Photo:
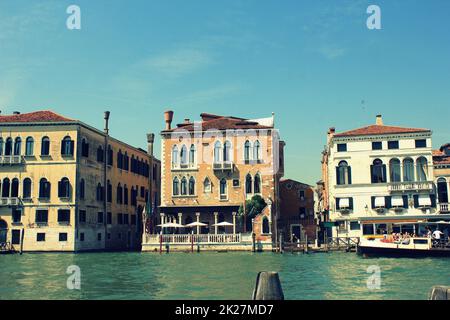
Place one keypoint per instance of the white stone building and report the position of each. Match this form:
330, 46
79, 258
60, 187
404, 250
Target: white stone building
380, 179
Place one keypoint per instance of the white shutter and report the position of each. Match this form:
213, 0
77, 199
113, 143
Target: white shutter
424, 200
397, 201
344, 203
379, 202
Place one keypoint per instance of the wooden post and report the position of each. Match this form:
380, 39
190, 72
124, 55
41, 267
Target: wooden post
160, 242
268, 287
281, 242
21, 240
192, 241
439, 293
253, 242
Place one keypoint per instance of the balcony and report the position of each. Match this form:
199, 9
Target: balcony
223, 166
184, 166
410, 186
10, 202
444, 208
11, 160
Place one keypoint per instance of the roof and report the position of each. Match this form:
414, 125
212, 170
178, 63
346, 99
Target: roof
287, 180
216, 122
37, 116
440, 158
379, 130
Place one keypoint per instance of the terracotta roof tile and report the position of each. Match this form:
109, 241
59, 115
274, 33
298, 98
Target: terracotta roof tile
439, 157
377, 130
37, 116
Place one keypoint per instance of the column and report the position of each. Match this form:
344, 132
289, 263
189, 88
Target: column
216, 214
163, 218
197, 214
234, 222
180, 215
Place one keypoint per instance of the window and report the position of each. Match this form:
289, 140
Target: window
421, 143
81, 236
236, 183
40, 237
217, 152
16, 215
408, 170
119, 218
82, 189
248, 184
119, 159
15, 188
133, 196
84, 148
207, 185
223, 189
302, 212
125, 218
176, 187
142, 192
125, 194
343, 173
64, 188
378, 171
15, 236
8, 147
442, 190
119, 194
265, 225
192, 155
422, 169
393, 145
110, 155
99, 236
99, 192
342, 147
82, 216
247, 147
257, 151
394, 170
63, 216
257, 184
133, 219
183, 186
108, 218
29, 146
301, 194
174, 155
63, 236
227, 151
126, 162
45, 146
5, 188
17, 146
109, 191
44, 189
99, 217
191, 186
368, 229
67, 146
1, 146
183, 155
100, 154
41, 216
355, 225
377, 145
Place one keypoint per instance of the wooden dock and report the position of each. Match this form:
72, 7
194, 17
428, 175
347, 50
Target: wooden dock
6, 248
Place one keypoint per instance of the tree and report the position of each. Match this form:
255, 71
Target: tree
253, 207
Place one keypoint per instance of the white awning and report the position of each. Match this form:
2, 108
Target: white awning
397, 201
424, 200
344, 203
379, 202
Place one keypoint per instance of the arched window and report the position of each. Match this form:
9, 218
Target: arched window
44, 189
192, 155
175, 155
67, 146
378, 171
223, 189
110, 155
227, 151
120, 159
422, 169
133, 196
1, 146
247, 146
257, 183
5, 188
265, 225
125, 194
183, 186
109, 191
15, 188
248, 184
29, 146
64, 188
257, 150
442, 190
119, 194
100, 154
17, 146
126, 162
183, 155
82, 189
394, 170
408, 170
84, 148
207, 185
191, 186
176, 187
8, 147
99, 192
45, 146
26, 192
343, 173
217, 152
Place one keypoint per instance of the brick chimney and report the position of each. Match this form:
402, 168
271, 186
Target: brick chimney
150, 141
330, 134
379, 120
168, 117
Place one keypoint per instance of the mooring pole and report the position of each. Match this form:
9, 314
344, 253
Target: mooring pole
192, 241
160, 243
268, 286
439, 293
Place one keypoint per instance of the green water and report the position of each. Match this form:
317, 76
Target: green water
215, 276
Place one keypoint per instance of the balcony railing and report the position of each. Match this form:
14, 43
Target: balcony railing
11, 160
195, 238
183, 166
14, 201
411, 186
223, 166
444, 208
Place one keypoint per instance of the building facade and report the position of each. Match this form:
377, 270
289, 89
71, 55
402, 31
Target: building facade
379, 179
212, 166
66, 186
441, 165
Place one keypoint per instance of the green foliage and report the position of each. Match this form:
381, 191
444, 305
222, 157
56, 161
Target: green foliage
253, 207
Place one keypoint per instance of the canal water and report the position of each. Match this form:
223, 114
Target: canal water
217, 276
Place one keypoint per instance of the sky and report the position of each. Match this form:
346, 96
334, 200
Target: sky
312, 62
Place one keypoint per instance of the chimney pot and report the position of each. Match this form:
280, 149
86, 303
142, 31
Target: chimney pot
332, 130
16, 112
150, 141
168, 117
379, 121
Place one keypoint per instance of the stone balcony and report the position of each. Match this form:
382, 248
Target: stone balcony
11, 160
410, 186
444, 208
10, 201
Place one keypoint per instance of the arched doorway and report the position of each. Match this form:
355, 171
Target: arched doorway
3, 231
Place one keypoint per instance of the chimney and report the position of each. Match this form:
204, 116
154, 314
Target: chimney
168, 116
187, 121
16, 112
330, 134
379, 120
150, 140
107, 113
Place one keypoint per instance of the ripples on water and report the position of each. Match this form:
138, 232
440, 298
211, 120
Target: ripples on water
215, 276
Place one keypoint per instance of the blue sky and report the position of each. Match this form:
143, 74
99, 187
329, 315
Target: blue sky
314, 63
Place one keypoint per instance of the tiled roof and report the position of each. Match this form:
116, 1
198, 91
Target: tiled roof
215, 122
439, 157
37, 116
377, 130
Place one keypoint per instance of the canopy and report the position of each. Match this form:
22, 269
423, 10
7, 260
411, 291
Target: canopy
379, 202
170, 225
424, 200
397, 201
223, 224
196, 224
344, 203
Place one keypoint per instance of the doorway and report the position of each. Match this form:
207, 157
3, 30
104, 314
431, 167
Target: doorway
3, 231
